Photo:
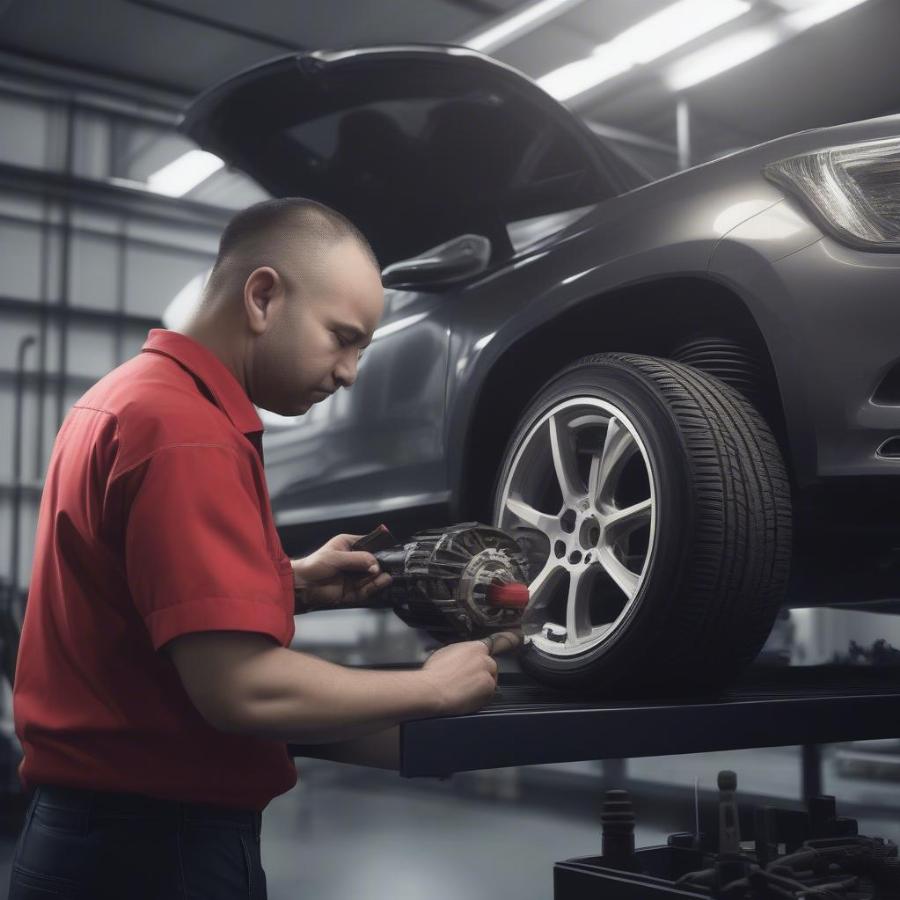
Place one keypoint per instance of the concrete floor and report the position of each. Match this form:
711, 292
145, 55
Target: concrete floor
349, 832
346, 832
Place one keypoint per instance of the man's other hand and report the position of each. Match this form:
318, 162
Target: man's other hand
463, 676
336, 577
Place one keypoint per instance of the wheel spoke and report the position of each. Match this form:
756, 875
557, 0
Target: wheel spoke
622, 522
578, 612
605, 434
563, 449
541, 585
541, 521
617, 450
624, 578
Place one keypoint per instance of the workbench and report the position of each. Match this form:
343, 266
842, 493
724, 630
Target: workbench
529, 724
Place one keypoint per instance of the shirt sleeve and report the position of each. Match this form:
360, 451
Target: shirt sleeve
196, 554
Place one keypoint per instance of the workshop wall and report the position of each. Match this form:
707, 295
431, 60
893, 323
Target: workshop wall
90, 259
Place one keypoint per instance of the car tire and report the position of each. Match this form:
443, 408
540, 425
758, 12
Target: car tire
699, 567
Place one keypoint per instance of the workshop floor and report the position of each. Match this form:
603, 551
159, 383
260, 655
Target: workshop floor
346, 832
350, 832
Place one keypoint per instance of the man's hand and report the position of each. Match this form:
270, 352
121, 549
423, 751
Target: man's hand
336, 577
463, 676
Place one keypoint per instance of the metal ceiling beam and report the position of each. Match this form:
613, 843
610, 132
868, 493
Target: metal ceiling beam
104, 195
54, 90
210, 22
57, 70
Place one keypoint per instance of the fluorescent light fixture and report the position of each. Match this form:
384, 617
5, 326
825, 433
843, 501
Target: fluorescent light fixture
518, 24
791, 5
815, 13
732, 51
675, 26
649, 39
723, 55
185, 173
576, 77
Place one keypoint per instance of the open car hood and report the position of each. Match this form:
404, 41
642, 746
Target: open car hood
414, 144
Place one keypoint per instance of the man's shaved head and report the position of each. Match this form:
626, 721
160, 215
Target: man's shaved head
292, 302
287, 233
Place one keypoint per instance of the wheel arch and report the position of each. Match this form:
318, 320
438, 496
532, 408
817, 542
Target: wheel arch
682, 309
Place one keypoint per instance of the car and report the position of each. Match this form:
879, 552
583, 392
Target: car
680, 396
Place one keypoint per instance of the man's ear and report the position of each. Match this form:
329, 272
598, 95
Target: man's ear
262, 286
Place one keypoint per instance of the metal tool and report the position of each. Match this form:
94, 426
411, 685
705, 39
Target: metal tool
462, 582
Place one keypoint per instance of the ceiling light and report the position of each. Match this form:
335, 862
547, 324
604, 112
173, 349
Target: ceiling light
723, 55
674, 26
732, 51
814, 13
511, 27
185, 173
576, 77
791, 5
649, 39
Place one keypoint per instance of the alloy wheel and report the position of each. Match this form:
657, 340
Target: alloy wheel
580, 496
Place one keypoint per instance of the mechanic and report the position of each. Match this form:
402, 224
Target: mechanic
155, 687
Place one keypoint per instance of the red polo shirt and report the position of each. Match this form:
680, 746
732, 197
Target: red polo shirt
154, 522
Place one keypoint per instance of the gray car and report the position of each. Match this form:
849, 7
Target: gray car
682, 398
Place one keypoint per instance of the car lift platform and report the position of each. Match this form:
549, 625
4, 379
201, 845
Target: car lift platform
529, 724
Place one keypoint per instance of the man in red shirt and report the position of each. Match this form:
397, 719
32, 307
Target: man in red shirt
155, 690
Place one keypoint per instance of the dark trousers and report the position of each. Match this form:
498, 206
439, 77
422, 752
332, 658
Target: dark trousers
92, 845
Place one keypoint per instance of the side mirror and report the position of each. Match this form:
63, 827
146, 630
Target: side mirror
447, 263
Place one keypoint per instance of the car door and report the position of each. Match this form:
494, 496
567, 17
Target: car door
416, 145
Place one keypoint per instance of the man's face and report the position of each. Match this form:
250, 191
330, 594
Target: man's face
323, 323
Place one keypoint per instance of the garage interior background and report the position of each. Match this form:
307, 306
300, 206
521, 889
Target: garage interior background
100, 241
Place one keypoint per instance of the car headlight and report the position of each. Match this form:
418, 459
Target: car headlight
853, 190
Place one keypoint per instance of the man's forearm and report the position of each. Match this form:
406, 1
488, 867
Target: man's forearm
297, 698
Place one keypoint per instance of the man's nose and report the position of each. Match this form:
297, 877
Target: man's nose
345, 374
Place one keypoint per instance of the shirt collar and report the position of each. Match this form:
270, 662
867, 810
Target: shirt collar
229, 396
